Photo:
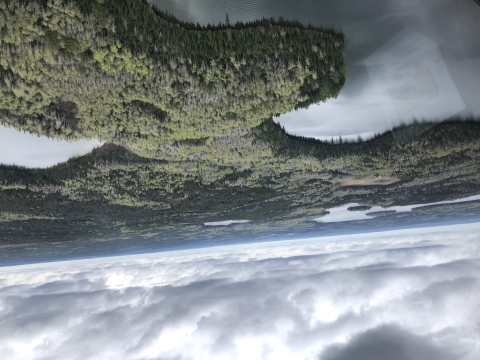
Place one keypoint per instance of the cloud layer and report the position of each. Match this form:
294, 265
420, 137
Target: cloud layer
406, 294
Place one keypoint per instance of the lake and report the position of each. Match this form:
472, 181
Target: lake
346, 212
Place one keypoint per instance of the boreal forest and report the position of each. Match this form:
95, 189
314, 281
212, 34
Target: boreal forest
186, 112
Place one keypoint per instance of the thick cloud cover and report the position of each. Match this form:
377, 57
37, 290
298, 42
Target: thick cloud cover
387, 342
401, 295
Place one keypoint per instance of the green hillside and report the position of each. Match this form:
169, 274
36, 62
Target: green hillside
126, 73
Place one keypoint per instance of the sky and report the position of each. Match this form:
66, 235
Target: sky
402, 295
29, 150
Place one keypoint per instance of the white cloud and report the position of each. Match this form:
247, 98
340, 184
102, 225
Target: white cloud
29, 150
409, 80
290, 299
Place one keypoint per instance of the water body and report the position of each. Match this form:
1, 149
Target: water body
406, 60
226, 222
25, 149
342, 213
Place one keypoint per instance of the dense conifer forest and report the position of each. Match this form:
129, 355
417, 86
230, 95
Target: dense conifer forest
186, 113
263, 174
126, 73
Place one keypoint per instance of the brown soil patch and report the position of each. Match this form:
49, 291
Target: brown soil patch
370, 181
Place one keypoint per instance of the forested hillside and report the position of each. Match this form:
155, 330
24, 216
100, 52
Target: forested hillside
275, 175
186, 114
125, 73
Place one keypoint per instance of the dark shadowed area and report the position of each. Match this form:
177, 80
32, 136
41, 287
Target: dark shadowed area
388, 342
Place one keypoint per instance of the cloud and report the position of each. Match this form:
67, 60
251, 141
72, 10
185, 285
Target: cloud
387, 342
29, 150
416, 290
